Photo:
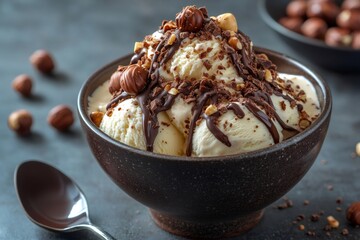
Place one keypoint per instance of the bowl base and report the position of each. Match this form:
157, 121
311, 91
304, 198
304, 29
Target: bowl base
209, 229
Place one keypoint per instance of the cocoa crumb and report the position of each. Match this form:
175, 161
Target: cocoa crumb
315, 218
345, 232
207, 64
165, 123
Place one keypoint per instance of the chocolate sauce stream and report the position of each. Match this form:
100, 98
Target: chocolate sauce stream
210, 123
122, 96
150, 121
137, 57
265, 119
197, 109
236, 109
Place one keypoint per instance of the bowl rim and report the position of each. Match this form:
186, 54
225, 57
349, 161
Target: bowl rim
324, 115
272, 23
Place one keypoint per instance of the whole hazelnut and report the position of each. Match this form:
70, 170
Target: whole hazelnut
351, 4
336, 36
314, 28
20, 121
293, 24
349, 19
356, 40
61, 117
42, 61
353, 213
190, 19
326, 10
296, 8
23, 85
114, 84
134, 79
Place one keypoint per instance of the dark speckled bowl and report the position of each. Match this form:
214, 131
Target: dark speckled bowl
211, 197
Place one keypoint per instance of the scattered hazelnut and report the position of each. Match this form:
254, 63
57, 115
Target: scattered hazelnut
351, 4
42, 61
293, 24
23, 85
357, 149
353, 213
356, 40
61, 117
96, 118
349, 19
190, 19
336, 36
301, 227
314, 28
332, 222
227, 21
20, 121
133, 79
296, 8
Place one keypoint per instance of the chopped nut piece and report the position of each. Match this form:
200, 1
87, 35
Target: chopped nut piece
240, 86
357, 149
138, 46
332, 222
171, 39
211, 109
227, 21
96, 118
167, 87
263, 56
268, 76
173, 91
304, 123
235, 43
147, 64
169, 25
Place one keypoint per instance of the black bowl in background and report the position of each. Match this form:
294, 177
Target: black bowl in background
208, 197
340, 59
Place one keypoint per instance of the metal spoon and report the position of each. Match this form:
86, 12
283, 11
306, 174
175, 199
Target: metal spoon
52, 200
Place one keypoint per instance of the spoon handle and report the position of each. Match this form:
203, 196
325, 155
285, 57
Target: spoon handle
98, 231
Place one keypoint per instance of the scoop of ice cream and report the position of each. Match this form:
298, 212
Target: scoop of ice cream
207, 92
124, 123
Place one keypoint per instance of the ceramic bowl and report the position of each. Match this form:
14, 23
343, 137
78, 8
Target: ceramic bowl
208, 197
340, 59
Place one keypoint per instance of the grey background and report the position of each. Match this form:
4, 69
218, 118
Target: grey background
84, 35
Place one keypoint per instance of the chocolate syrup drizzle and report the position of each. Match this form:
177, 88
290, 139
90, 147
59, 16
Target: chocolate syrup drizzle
256, 93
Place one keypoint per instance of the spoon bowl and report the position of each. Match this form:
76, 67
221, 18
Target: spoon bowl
52, 200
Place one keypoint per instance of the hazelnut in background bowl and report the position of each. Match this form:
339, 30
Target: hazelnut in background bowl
208, 197
320, 36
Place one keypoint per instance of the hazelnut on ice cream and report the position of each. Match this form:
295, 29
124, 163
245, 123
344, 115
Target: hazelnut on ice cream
196, 87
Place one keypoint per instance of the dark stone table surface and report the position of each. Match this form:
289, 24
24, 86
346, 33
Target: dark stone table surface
83, 35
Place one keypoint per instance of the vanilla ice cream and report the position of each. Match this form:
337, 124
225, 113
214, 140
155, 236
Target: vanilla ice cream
197, 88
